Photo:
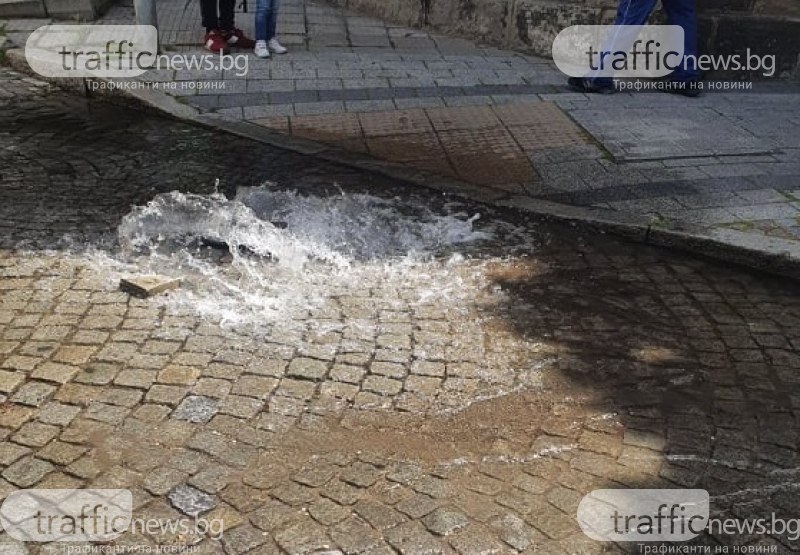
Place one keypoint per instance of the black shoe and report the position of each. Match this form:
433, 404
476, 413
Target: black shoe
691, 88
586, 85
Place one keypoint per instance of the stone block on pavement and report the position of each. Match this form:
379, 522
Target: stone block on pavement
148, 286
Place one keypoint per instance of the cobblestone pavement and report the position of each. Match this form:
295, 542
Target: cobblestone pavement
728, 161
575, 362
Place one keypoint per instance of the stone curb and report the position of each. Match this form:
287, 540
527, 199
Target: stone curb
769, 254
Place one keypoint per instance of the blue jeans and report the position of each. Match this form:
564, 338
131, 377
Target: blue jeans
266, 19
679, 12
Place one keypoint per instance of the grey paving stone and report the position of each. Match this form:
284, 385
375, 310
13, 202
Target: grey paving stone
361, 474
369, 105
58, 413
355, 536
341, 493
338, 73
373, 83
314, 108
27, 471
428, 102
469, 101
162, 480
191, 501
515, 531
380, 516
243, 539
10, 452
731, 170
35, 434
307, 369
338, 95
443, 521
305, 536
771, 211
231, 113
412, 537
705, 200
327, 513
417, 506
294, 494
636, 133
293, 97
277, 110
476, 539
318, 84
196, 408
269, 85
762, 196
33, 394
649, 205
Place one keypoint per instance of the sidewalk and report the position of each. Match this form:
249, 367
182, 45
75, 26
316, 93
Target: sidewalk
725, 166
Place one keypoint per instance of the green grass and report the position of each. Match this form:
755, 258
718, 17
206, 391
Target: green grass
656, 220
742, 225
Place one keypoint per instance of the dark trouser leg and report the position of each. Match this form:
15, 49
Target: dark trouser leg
208, 12
682, 12
226, 8
629, 12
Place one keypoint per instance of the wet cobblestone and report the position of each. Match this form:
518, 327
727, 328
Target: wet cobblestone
583, 362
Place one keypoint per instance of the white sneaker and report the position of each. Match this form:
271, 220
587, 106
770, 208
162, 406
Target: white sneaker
277, 47
261, 49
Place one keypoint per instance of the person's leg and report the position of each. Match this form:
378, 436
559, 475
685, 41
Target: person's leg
629, 12
262, 19
234, 37
214, 40
208, 13
272, 24
226, 9
272, 28
634, 12
682, 13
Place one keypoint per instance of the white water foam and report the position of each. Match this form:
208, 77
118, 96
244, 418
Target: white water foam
324, 247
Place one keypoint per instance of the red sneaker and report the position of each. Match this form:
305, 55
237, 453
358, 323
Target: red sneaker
215, 42
237, 38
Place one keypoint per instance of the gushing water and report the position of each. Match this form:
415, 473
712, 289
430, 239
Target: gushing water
268, 257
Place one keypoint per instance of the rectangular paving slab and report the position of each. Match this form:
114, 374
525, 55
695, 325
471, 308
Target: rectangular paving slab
659, 133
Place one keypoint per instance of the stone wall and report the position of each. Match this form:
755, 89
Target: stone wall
726, 26
72, 10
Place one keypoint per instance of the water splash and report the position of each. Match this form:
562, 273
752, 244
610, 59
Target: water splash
359, 226
176, 221
268, 257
